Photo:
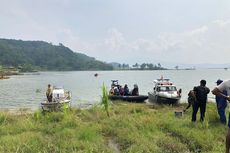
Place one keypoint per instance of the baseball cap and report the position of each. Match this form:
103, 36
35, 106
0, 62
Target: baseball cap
219, 81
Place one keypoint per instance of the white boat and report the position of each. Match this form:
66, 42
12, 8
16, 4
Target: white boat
61, 99
164, 92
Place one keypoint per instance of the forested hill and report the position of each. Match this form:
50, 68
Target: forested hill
46, 56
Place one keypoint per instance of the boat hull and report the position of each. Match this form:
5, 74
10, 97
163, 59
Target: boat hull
55, 106
138, 99
153, 98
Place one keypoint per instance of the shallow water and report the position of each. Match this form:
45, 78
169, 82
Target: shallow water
29, 90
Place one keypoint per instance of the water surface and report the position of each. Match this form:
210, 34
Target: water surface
27, 91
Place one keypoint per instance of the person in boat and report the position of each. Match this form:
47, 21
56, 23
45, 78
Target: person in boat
116, 91
135, 91
121, 90
201, 93
126, 90
111, 92
218, 91
221, 104
191, 99
96, 74
49, 94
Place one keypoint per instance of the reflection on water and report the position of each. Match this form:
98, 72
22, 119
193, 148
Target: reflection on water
29, 90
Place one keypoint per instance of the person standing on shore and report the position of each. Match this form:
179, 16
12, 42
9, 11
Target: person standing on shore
218, 91
201, 93
49, 93
221, 104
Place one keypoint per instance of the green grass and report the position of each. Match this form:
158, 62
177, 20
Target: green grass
131, 127
105, 99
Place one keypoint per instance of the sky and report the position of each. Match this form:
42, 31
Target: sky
125, 31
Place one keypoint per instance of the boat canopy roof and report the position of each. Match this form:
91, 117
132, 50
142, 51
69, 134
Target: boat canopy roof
163, 82
58, 87
58, 93
166, 88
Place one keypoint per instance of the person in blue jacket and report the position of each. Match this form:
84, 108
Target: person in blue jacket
221, 103
218, 91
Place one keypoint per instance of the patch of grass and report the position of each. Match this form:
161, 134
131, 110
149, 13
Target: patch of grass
133, 127
2, 119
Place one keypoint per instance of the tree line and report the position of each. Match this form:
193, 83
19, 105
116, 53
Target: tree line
143, 66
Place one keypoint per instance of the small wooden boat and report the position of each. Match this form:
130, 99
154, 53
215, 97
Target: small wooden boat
61, 100
55, 106
138, 99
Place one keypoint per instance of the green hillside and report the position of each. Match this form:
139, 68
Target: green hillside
46, 56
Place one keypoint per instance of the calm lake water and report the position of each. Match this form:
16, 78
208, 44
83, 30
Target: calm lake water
27, 91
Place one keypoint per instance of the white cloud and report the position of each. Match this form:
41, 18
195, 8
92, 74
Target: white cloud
204, 44
197, 31
222, 23
69, 39
116, 41
207, 43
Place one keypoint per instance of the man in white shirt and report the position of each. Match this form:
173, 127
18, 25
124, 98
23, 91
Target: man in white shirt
218, 91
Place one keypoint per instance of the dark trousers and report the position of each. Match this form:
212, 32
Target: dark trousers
49, 98
196, 106
221, 111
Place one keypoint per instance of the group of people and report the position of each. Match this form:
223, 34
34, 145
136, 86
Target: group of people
120, 91
197, 98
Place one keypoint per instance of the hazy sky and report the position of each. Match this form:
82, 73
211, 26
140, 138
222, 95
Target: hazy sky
177, 31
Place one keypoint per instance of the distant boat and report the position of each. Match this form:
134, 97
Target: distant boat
96, 74
190, 68
225, 68
61, 99
164, 92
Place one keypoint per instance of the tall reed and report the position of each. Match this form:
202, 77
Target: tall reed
105, 99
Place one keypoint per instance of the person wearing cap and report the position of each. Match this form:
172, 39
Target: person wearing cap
201, 93
218, 91
221, 104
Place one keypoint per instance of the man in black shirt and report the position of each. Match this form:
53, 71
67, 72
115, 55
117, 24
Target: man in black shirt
201, 93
